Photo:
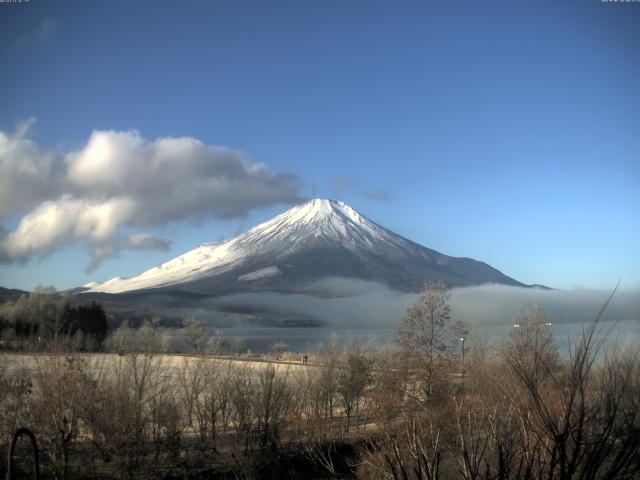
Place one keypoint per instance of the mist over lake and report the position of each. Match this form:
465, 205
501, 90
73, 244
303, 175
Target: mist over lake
372, 312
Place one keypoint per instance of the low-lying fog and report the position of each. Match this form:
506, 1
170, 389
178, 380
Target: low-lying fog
341, 307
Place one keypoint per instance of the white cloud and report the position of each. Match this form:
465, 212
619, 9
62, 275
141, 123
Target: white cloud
56, 223
172, 178
28, 174
119, 179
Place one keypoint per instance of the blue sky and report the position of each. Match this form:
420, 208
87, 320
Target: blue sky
508, 132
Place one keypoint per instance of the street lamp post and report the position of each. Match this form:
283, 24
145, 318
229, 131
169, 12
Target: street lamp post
462, 340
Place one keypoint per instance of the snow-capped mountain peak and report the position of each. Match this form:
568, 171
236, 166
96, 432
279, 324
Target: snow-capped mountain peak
317, 218
316, 238
312, 219
319, 209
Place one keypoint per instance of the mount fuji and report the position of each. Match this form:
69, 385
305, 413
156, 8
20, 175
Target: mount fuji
319, 238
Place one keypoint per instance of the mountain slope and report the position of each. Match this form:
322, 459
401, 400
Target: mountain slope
9, 293
317, 239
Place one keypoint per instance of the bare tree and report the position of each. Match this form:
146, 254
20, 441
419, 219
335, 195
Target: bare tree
124, 419
196, 334
62, 384
536, 416
216, 345
240, 346
425, 333
388, 384
530, 345
121, 340
352, 379
585, 418
205, 392
220, 376
38, 317
148, 338
191, 383
216, 396
324, 381
279, 348
244, 407
272, 402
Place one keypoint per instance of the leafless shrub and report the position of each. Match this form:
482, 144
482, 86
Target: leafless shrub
320, 440
412, 451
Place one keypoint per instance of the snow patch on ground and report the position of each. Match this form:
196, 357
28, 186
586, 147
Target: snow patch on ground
262, 273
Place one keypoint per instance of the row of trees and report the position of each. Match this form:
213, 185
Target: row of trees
45, 319
192, 338
137, 414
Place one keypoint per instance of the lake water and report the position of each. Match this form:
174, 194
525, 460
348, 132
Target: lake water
306, 339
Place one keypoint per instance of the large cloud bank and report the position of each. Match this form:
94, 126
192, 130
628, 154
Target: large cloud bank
352, 303
120, 180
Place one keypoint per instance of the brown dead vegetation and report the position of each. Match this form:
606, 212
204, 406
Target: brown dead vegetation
517, 410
